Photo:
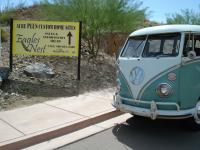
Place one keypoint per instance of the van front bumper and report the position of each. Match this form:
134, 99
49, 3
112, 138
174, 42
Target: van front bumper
153, 112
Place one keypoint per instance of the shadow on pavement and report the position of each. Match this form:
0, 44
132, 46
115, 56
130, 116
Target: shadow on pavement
145, 134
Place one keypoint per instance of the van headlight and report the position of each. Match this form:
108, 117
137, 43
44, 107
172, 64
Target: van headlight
164, 90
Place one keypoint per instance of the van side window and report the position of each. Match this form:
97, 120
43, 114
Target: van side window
162, 45
192, 42
134, 47
197, 44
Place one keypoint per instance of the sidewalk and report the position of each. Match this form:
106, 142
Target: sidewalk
26, 126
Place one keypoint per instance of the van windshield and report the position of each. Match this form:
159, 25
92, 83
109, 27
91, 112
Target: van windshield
134, 47
162, 45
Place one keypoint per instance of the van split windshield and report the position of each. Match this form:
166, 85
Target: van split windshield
134, 46
161, 45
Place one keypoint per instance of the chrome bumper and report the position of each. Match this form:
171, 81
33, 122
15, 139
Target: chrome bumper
153, 112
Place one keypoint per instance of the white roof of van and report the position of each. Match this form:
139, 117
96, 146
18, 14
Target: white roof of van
166, 29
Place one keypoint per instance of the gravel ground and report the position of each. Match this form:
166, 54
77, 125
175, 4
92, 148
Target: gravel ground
20, 90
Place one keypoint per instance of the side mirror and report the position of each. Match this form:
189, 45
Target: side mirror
191, 54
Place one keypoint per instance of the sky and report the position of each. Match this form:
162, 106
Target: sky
158, 8
15, 2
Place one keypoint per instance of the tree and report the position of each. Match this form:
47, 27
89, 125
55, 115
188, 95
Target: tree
98, 17
9, 11
184, 17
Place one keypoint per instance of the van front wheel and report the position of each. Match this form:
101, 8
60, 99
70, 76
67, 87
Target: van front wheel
195, 121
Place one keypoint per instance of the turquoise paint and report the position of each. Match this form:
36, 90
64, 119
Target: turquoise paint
190, 84
124, 86
186, 88
150, 92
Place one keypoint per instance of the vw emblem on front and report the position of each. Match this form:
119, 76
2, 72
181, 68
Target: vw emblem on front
136, 75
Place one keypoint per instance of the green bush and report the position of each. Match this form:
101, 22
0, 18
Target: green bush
98, 16
185, 16
5, 17
4, 35
9, 11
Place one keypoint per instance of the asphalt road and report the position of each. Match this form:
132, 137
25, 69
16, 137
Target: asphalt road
142, 134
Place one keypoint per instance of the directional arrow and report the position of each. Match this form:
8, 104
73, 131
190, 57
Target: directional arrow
69, 36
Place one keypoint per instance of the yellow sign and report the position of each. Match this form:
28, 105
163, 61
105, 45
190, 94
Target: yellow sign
45, 38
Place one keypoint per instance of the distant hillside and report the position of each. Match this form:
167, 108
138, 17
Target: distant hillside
21, 13
105, 25
27, 13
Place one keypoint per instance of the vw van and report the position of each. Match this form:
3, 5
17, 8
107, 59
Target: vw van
158, 73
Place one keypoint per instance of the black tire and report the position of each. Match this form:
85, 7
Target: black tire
136, 117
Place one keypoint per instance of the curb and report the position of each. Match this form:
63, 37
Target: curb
59, 132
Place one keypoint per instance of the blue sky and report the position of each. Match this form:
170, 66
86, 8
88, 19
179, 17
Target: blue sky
158, 8
15, 2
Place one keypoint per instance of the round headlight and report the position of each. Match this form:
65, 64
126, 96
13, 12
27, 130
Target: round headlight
164, 90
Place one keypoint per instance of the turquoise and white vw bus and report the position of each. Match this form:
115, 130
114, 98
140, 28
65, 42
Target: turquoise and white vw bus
159, 73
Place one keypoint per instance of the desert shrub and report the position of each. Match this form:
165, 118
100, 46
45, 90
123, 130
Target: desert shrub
9, 11
5, 17
4, 35
185, 16
98, 17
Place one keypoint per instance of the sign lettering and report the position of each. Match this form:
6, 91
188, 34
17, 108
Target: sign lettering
46, 38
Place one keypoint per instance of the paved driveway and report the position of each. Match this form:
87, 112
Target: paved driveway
142, 134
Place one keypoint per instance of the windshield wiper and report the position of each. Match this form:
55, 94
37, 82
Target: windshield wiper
137, 48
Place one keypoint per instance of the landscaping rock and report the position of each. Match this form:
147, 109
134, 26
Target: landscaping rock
39, 70
1, 92
1, 80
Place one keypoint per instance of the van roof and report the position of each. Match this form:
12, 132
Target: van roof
166, 29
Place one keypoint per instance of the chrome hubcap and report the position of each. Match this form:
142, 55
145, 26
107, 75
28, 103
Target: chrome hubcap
197, 113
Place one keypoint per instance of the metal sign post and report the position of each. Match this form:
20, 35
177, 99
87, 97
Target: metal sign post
0, 46
79, 53
11, 42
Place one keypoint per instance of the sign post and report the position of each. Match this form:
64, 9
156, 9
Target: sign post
79, 54
46, 38
0, 46
11, 41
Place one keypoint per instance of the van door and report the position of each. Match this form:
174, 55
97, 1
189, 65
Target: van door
190, 71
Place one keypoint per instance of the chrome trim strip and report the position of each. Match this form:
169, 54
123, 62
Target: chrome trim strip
156, 78
147, 112
153, 113
191, 61
150, 102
